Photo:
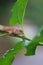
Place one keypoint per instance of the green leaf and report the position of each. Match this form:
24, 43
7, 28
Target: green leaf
9, 57
18, 11
1, 61
41, 31
32, 45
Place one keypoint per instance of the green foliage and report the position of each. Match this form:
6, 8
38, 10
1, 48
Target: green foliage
18, 11
17, 16
32, 45
41, 31
9, 57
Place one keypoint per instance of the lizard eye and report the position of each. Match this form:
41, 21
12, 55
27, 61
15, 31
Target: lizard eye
21, 32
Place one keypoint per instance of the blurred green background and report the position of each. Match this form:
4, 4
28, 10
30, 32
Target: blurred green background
34, 11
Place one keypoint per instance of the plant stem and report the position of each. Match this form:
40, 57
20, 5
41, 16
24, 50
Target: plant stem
15, 35
22, 37
40, 44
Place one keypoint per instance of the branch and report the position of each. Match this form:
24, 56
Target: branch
40, 44
23, 37
15, 35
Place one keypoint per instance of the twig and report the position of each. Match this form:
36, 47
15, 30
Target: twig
22, 37
40, 44
15, 35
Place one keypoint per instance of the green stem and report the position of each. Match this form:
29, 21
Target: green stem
40, 44
22, 37
15, 35
3, 34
